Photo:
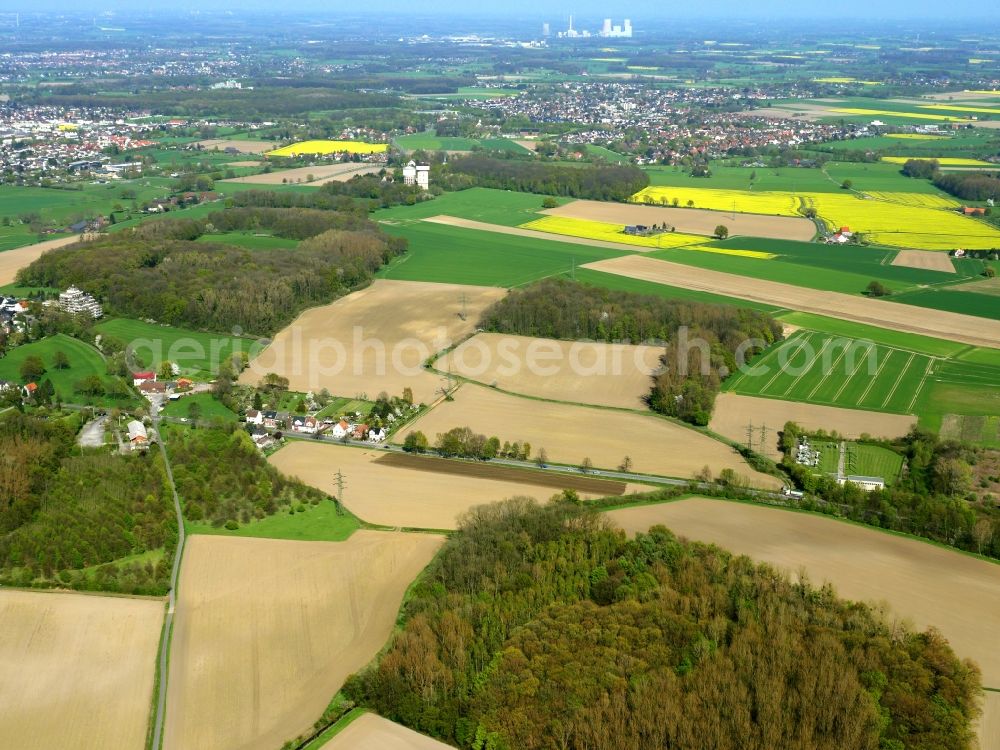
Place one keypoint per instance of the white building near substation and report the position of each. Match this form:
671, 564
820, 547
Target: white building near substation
417, 174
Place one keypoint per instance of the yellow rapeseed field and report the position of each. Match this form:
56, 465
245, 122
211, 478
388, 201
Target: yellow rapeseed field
599, 230
918, 136
329, 147
835, 79
921, 200
890, 113
944, 161
899, 225
740, 201
758, 254
925, 222
962, 108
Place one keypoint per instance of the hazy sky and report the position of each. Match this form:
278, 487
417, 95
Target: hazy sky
536, 9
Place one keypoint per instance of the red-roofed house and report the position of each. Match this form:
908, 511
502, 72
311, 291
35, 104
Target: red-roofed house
138, 378
29, 390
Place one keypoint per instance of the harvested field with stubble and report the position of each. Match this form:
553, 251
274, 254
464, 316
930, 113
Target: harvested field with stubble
568, 433
372, 732
267, 630
924, 259
243, 147
12, 261
423, 492
734, 412
584, 372
321, 173
923, 583
967, 329
375, 339
76, 671
690, 220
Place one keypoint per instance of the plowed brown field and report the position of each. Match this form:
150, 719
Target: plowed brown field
375, 339
267, 630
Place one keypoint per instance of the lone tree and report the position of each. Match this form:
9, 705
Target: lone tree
60, 361
32, 368
550, 202
586, 465
846, 185
542, 459
626, 464
722, 232
415, 442
877, 289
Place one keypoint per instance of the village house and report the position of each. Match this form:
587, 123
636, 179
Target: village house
341, 429
376, 436
360, 431
150, 388
28, 391
305, 424
138, 378
137, 437
255, 417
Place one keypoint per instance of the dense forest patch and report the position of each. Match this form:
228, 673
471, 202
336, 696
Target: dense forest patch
223, 479
598, 182
691, 374
66, 515
542, 627
157, 271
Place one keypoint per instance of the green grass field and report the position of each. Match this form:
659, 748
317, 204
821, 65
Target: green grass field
84, 360
738, 178
466, 256
59, 206
825, 369
316, 523
209, 408
872, 461
195, 352
825, 267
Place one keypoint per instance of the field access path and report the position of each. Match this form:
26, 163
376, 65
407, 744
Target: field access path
168, 622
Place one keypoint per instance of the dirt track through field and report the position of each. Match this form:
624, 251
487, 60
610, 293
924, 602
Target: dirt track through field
568, 433
583, 372
267, 631
690, 220
927, 260
967, 329
925, 584
733, 413
482, 226
12, 261
381, 493
372, 732
322, 174
76, 671
375, 339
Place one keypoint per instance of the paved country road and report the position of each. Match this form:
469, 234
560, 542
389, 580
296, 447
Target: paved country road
168, 623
